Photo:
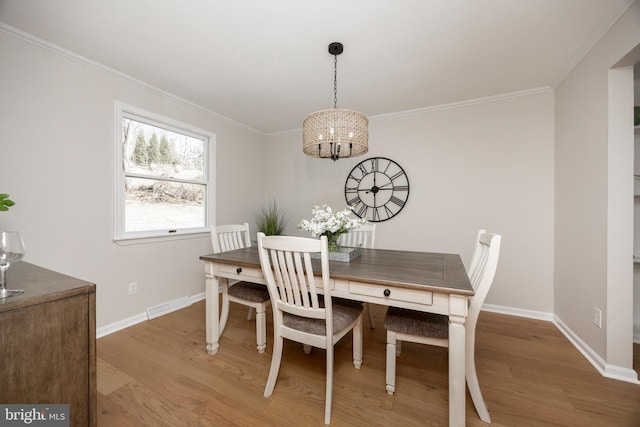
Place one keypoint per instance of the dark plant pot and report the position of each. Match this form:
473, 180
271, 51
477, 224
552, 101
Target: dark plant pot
636, 116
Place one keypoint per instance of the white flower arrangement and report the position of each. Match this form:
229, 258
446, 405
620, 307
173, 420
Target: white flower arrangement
329, 223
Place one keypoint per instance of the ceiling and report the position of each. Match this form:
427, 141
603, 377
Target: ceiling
265, 64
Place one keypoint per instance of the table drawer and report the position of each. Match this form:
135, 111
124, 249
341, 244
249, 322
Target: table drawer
233, 271
394, 293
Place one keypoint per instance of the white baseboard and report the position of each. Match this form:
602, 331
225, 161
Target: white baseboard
531, 314
141, 317
167, 307
198, 297
605, 369
120, 324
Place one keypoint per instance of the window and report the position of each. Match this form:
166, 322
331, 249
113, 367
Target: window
163, 176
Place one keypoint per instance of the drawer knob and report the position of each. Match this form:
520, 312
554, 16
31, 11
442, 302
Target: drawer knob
387, 292
239, 270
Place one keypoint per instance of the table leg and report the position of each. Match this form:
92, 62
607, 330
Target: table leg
212, 314
457, 385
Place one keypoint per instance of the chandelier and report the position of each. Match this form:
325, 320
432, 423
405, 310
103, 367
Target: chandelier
335, 133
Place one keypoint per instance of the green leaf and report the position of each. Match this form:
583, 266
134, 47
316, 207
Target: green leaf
5, 203
271, 220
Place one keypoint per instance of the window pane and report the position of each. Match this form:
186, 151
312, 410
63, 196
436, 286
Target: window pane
152, 204
155, 151
164, 180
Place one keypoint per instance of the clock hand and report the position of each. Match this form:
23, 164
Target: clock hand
375, 188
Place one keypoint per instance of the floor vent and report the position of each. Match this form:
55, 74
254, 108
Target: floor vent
167, 307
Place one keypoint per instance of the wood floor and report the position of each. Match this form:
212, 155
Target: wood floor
158, 373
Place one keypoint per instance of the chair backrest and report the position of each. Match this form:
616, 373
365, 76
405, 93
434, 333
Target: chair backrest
482, 270
229, 237
364, 236
288, 271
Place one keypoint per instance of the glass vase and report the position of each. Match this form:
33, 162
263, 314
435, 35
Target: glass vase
332, 242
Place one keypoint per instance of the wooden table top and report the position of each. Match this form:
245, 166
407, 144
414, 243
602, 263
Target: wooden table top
40, 285
437, 272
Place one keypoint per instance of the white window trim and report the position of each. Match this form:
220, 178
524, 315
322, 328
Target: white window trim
127, 238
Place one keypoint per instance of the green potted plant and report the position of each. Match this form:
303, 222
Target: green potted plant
5, 202
271, 220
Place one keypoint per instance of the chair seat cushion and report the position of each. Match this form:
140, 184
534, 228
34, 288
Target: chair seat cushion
417, 323
344, 313
253, 292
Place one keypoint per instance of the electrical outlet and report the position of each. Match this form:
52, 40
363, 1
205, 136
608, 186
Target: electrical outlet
133, 288
597, 317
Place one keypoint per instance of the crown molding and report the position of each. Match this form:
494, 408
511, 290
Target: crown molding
46, 45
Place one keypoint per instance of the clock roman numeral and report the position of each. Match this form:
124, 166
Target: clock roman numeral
361, 210
354, 201
376, 215
374, 164
397, 201
357, 180
396, 175
386, 168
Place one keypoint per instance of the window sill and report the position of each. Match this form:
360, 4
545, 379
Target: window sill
128, 241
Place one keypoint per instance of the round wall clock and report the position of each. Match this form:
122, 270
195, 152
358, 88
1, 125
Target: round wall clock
377, 189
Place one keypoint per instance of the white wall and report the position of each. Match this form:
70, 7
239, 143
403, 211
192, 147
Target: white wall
588, 207
56, 162
480, 164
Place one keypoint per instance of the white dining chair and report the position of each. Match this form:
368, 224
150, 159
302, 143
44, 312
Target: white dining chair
303, 309
253, 295
433, 329
365, 237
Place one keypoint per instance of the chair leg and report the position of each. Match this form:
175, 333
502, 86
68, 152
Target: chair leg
224, 310
357, 344
327, 399
367, 307
250, 313
473, 383
307, 349
391, 362
276, 357
261, 329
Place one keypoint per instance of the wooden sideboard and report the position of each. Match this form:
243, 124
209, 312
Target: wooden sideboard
48, 342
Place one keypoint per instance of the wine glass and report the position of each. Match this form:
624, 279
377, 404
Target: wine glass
11, 251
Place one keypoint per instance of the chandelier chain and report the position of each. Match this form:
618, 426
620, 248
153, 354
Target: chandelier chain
335, 82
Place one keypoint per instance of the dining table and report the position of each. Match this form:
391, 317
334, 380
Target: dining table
426, 281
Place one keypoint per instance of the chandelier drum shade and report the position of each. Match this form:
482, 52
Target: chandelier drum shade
335, 133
